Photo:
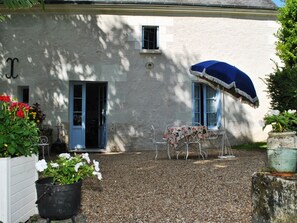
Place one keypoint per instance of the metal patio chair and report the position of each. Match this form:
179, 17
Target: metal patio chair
197, 139
218, 138
157, 143
43, 144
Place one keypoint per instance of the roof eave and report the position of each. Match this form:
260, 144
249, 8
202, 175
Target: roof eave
145, 9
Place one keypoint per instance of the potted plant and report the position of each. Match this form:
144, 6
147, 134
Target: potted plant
36, 114
281, 146
59, 189
18, 150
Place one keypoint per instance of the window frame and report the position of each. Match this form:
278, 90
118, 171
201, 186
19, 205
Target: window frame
156, 42
202, 109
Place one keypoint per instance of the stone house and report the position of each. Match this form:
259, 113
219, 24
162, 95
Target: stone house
108, 70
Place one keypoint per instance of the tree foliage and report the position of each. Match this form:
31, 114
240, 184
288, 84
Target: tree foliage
282, 82
19, 4
282, 88
286, 45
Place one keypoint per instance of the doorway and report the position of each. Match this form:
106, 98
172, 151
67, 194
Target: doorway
88, 122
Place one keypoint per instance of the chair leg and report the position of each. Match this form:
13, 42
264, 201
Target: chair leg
168, 151
48, 151
200, 150
156, 148
43, 153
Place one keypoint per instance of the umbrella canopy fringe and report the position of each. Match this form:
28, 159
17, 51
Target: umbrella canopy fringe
254, 101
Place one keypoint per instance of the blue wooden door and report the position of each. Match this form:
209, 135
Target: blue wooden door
77, 115
88, 115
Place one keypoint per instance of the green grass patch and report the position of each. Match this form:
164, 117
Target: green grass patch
252, 146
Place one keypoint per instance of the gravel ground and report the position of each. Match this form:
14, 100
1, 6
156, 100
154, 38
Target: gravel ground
136, 188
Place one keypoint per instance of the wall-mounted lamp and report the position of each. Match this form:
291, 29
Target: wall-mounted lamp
11, 75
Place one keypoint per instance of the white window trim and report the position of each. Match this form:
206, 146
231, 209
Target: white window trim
145, 51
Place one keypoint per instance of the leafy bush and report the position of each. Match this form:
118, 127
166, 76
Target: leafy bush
282, 88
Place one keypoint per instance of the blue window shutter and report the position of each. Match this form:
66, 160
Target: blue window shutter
211, 106
196, 109
204, 105
219, 110
194, 121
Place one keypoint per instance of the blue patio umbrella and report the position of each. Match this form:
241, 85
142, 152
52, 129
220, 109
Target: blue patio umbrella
229, 77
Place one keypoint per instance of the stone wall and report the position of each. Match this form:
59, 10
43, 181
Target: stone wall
57, 49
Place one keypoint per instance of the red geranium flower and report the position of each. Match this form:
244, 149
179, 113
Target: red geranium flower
13, 105
18, 108
5, 98
25, 106
20, 114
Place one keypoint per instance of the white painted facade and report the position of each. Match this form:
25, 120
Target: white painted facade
57, 47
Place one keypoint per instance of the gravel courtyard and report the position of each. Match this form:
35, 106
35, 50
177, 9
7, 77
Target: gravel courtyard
137, 188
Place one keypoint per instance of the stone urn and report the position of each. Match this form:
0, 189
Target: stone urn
282, 151
281, 139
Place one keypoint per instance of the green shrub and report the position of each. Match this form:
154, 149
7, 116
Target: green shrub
282, 88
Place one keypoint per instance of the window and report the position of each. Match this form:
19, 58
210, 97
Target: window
150, 37
206, 106
77, 105
23, 94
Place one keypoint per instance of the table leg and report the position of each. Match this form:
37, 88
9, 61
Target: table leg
187, 150
156, 149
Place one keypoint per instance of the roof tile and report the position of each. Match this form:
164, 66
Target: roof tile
265, 4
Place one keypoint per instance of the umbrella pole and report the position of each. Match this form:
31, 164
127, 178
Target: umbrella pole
223, 108
226, 151
224, 123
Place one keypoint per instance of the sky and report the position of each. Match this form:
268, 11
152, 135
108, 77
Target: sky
278, 2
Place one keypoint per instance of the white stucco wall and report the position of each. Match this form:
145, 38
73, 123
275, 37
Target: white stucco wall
56, 49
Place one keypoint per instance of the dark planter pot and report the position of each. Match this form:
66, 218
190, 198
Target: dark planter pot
57, 202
